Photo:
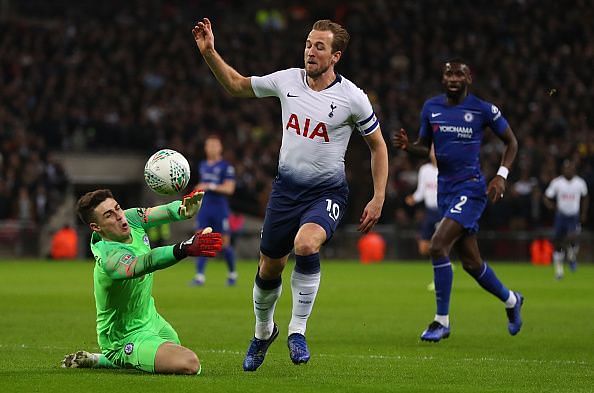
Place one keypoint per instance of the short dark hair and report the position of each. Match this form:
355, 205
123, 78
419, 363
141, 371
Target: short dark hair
456, 60
87, 203
341, 36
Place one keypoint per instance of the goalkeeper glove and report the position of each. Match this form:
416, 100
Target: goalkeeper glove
191, 204
203, 243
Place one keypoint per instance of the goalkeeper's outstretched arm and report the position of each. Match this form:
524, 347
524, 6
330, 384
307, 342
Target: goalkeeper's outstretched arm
174, 211
122, 264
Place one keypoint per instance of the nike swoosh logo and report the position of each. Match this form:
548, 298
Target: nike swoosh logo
291, 95
305, 294
436, 114
260, 302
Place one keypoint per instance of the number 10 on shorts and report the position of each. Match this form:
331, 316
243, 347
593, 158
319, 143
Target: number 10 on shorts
333, 209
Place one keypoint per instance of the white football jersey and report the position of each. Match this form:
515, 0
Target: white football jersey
568, 194
317, 126
427, 186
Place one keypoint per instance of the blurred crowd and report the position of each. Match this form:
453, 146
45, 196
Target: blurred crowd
126, 76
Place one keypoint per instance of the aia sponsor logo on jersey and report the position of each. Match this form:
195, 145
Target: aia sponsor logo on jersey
304, 128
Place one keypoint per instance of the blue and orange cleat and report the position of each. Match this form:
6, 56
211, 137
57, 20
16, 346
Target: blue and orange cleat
298, 350
513, 315
257, 351
435, 332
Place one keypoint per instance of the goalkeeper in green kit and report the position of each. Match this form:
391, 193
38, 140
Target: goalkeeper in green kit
130, 332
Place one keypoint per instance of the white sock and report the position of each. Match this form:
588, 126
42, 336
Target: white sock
264, 304
200, 277
232, 275
511, 300
558, 257
304, 288
443, 319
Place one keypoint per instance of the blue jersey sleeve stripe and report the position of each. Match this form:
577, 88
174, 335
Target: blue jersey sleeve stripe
370, 129
366, 120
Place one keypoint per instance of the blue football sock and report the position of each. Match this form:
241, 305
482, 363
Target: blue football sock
307, 264
443, 277
229, 258
487, 279
201, 264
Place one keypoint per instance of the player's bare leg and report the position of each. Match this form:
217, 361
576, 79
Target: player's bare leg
267, 290
470, 257
175, 359
305, 281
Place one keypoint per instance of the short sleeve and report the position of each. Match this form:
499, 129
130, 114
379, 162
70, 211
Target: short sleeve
494, 119
584, 188
268, 85
551, 190
229, 173
425, 130
365, 120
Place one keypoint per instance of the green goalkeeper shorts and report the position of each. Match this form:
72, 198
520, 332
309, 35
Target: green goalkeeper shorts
140, 348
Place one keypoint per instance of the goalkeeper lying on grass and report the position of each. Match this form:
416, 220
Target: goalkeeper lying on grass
130, 332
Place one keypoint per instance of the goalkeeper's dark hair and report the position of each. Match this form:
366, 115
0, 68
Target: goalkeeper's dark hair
341, 36
87, 203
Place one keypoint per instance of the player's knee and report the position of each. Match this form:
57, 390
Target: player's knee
304, 246
437, 248
189, 364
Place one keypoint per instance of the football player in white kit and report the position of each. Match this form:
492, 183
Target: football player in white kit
569, 194
320, 110
426, 192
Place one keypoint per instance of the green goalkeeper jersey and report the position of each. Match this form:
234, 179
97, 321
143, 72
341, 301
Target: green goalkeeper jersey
123, 278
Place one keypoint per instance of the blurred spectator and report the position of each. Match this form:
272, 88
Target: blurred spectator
81, 76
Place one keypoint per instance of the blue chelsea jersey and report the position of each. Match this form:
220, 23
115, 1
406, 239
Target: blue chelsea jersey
457, 132
216, 173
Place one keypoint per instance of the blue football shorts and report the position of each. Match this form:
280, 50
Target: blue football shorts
284, 217
217, 219
432, 218
566, 225
463, 206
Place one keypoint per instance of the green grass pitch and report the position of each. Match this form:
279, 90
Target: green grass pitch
363, 334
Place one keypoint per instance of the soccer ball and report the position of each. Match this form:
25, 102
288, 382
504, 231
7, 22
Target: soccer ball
167, 172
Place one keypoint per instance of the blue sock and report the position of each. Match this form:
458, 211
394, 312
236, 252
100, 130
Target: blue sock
487, 279
229, 258
201, 265
443, 277
307, 264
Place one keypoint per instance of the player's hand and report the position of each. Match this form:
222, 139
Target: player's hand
204, 243
191, 204
371, 215
496, 189
409, 200
204, 36
206, 186
400, 139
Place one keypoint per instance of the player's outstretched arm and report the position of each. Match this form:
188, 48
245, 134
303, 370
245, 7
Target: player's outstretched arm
496, 187
236, 84
379, 171
171, 212
122, 264
420, 147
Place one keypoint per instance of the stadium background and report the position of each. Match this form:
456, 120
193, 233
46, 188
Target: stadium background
89, 90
